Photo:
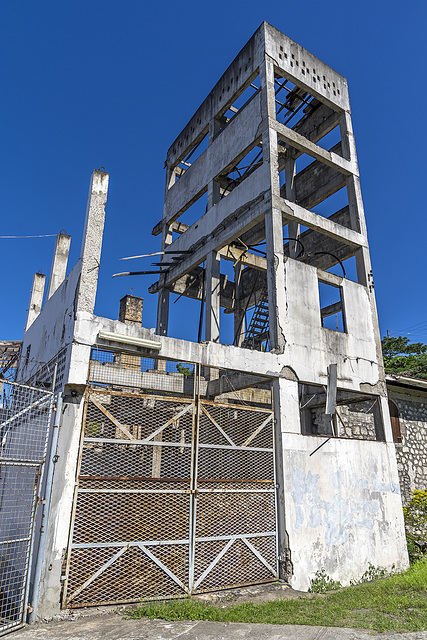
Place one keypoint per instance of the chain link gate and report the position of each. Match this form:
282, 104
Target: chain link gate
25, 418
175, 496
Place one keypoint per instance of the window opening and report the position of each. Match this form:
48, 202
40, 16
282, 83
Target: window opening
195, 210
357, 415
241, 170
238, 103
331, 307
195, 151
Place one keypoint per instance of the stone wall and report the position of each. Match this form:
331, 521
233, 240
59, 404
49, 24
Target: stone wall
356, 420
411, 453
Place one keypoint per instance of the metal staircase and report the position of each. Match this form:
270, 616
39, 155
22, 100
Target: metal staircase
9, 356
257, 331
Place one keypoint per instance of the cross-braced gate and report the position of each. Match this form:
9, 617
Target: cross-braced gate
25, 417
175, 496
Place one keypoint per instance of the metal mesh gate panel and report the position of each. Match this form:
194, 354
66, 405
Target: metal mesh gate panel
173, 497
235, 524
25, 417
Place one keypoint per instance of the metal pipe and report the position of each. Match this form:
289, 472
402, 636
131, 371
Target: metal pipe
45, 514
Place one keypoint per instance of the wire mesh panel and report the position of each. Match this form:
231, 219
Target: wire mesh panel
173, 497
131, 536
25, 417
235, 521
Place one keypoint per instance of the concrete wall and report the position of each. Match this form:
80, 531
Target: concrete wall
343, 508
310, 348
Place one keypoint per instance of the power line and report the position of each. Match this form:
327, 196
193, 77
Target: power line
49, 235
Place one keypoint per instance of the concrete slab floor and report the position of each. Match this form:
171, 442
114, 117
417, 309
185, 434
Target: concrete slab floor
111, 627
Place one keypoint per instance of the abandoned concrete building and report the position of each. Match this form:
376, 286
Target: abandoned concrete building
177, 467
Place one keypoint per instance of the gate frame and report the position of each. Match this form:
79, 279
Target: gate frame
191, 587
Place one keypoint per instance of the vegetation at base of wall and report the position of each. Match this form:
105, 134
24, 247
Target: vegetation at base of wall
402, 357
396, 603
374, 573
415, 513
321, 583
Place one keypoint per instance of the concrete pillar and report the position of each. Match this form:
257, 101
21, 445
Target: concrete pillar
59, 263
213, 284
239, 313
286, 419
36, 299
163, 299
213, 193
275, 279
293, 227
90, 254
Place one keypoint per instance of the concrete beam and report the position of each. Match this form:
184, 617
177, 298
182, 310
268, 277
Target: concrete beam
232, 382
59, 263
298, 141
246, 258
215, 239
177, 227
36, 299
326, 226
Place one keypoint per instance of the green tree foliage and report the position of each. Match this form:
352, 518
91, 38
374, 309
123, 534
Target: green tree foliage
402, 357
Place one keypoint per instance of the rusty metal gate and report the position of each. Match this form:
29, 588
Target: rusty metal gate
25, 419
174, 496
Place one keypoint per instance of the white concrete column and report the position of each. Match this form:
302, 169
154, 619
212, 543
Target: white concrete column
59, 263
90, 254
213, 285
36, 299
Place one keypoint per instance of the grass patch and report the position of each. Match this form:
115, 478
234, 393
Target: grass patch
395, 603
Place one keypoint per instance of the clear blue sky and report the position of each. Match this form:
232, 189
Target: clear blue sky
110, 83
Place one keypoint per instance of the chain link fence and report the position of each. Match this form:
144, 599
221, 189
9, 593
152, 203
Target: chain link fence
25, 417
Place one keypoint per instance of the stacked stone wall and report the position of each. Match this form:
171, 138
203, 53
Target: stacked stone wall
411, 453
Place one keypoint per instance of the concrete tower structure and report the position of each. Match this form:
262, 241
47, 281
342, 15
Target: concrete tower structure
248, 455
269, 157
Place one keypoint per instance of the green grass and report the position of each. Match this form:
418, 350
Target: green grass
396, 603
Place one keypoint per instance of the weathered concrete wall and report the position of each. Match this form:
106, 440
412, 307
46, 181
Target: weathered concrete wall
411, 453
53, 329
343, 508
310, 348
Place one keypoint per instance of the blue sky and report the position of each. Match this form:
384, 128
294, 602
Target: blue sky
86, 84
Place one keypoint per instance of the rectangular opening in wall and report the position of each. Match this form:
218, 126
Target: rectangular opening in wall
321, 251
317, 187
234, 387
254, 322
195, 210
357, 415
331, 307
199, 145
299, 110
241, 168
239, 101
